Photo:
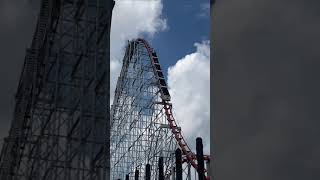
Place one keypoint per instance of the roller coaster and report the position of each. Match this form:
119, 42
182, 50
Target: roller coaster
63, 128
143, 127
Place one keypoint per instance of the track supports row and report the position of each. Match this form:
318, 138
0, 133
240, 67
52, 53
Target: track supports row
177, 173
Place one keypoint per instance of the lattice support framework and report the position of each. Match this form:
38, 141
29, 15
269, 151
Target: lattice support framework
60, 125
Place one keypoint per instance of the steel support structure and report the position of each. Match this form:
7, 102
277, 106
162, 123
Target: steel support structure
60, 127
143, 128
139, 131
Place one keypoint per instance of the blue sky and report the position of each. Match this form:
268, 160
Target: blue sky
188, 22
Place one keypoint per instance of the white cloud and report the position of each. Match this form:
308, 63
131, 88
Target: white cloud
131, 19
189, 86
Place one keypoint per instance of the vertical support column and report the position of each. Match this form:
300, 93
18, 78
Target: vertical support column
136, 175
160, 165
199, 149
127, 177
178, 164
148, 172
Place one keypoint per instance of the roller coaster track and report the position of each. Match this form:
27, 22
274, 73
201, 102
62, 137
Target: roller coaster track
190, 157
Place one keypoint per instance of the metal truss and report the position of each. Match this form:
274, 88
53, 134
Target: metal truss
139, 130
142, 124
61, 127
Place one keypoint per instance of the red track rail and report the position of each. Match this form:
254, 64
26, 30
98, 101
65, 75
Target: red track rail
190, 156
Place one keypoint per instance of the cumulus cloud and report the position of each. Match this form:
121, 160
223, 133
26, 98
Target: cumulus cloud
189, 86
131, 19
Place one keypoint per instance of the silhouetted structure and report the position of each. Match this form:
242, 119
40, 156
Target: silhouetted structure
136, 175
60, 126
160, 167
148, 172
178, 164
199, 148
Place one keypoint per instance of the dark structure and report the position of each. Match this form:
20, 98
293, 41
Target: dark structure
60, 125
136, 175
178, 164
148, 172
199, 148
160, 167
